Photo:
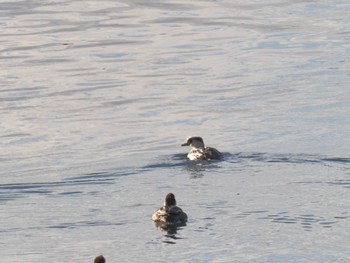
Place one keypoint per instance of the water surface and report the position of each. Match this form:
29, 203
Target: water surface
96, 98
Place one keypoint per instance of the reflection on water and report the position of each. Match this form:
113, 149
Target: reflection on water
169, 228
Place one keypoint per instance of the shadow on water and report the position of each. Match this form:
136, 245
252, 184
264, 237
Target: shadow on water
338, 182
21, 190
306, 221
100, 176
197, 168
181, 160
80, 224
285, 158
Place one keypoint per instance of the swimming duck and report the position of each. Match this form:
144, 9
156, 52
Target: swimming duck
169, 213
99, 259
198, 150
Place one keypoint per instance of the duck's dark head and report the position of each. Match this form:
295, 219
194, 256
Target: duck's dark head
170, 200
194, 141
100, 259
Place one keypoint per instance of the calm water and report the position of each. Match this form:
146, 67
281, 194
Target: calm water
97, 96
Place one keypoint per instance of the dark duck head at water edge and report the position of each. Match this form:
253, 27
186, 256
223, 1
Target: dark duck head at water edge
198, 150
100, 259
169, 213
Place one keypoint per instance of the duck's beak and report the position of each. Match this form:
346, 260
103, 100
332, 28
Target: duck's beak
185, 144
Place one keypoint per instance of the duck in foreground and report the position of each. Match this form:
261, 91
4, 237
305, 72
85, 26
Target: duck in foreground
99, 259
169, 213
198, 150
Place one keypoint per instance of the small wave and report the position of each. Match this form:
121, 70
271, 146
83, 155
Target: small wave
14, 191
180, 160
98, 176
74, 225
285, 158
306, 221
21, 186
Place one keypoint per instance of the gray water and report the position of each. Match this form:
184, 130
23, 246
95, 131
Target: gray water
97, 96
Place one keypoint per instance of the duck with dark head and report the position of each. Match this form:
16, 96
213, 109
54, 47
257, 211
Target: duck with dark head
199, 152
100, 259
170, 213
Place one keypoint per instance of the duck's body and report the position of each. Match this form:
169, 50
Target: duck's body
199, 152
170, 213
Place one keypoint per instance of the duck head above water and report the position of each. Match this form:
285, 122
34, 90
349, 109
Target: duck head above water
194, 142
170, 200
99, 259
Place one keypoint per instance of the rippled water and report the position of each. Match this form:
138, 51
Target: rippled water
97, 96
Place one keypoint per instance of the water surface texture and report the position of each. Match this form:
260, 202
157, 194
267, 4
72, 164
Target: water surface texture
97, 96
